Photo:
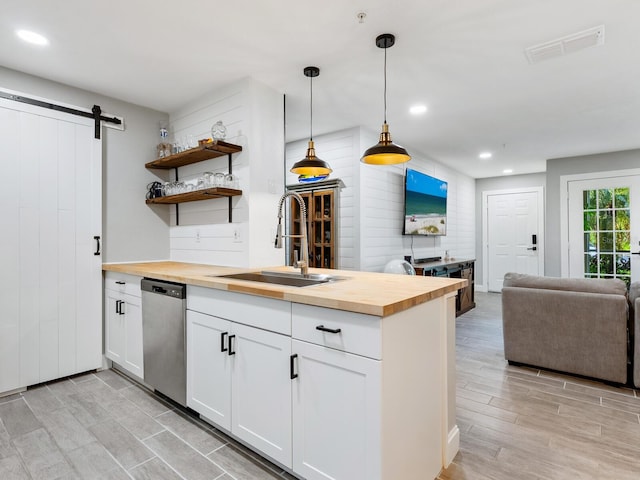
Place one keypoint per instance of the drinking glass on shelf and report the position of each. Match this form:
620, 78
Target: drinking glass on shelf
192, 141
219, 179
208, 179
230, 181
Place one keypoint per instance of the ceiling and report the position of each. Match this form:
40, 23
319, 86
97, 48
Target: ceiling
464, 59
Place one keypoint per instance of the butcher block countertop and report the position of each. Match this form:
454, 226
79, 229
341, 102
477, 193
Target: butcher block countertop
379, 294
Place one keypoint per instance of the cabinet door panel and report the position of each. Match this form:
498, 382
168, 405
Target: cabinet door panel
336, 414
133, 351
114, 330
261, 391
209, 368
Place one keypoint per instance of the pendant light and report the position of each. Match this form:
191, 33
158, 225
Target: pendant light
311, 166
385, 152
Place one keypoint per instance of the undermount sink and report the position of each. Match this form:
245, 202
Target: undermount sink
282, 278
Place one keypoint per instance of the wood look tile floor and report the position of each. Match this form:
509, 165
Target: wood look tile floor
516, 423
523, 423
103, 426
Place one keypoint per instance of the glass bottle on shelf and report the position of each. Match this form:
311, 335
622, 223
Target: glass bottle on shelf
164, 147
218, 131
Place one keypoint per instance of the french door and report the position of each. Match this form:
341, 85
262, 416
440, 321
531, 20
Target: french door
604, 228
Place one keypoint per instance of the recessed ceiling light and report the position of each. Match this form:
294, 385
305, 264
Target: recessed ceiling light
418, 109
507, 170
485, 155
32, 37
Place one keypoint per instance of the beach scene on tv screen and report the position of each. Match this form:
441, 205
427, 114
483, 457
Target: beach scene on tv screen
425, 205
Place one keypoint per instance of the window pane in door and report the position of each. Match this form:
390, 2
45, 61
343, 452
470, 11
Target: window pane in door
622, 197
590, 199
605, 198
607, 233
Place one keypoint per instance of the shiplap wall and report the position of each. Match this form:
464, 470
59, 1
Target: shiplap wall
253, 115
372, 204
338, 149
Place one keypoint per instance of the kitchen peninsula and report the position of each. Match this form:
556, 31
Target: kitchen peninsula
350, 379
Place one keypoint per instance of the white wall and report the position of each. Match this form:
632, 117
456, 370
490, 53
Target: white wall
254, 117
382, 212
131, 230
371, 204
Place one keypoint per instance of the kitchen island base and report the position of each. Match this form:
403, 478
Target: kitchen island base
361, 398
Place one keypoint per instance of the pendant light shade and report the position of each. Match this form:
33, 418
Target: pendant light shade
385, 152
311, 166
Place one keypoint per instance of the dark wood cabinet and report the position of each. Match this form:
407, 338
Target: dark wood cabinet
321, 227
465, 269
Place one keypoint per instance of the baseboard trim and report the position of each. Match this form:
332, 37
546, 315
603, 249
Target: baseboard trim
452, 447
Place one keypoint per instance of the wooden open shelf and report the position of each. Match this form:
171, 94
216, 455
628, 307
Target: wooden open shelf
194, 155
207, 194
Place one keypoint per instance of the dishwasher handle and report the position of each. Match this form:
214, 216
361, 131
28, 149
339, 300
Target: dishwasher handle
161, 287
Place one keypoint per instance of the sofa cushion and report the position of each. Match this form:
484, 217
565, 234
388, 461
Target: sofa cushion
613, 286
634, 292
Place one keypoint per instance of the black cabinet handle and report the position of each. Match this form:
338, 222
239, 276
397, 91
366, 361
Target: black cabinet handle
292, 359
122, 305
120, 282
222, 347
231, 350
322, 328
97, 239
118, 307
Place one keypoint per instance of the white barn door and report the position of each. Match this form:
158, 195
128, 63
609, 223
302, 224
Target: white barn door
50, 287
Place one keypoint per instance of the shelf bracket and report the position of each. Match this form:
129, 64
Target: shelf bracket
230, 201
175, 169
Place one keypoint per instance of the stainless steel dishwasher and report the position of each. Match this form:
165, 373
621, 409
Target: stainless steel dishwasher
164, 337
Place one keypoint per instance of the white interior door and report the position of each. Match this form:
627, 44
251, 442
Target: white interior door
604, 227
50, 290
514, 235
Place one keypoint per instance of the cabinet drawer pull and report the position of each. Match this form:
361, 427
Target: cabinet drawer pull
292, 359
119, 282
222, 347
322, 328
231, 350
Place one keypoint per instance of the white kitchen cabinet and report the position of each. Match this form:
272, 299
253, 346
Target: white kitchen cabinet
368, 402
328, 393
261, 390
123, 322
209, 367
336, 414
238, 376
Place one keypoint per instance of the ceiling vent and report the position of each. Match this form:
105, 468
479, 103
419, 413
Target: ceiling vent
571, 43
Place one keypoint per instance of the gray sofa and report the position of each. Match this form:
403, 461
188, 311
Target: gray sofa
577, 326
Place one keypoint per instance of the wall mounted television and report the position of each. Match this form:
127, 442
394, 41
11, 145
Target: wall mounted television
425, 204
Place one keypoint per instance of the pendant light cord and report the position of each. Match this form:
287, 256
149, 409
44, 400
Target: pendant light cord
311, 108
385, 85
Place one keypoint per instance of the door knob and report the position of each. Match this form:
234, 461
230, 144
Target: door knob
536, 248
